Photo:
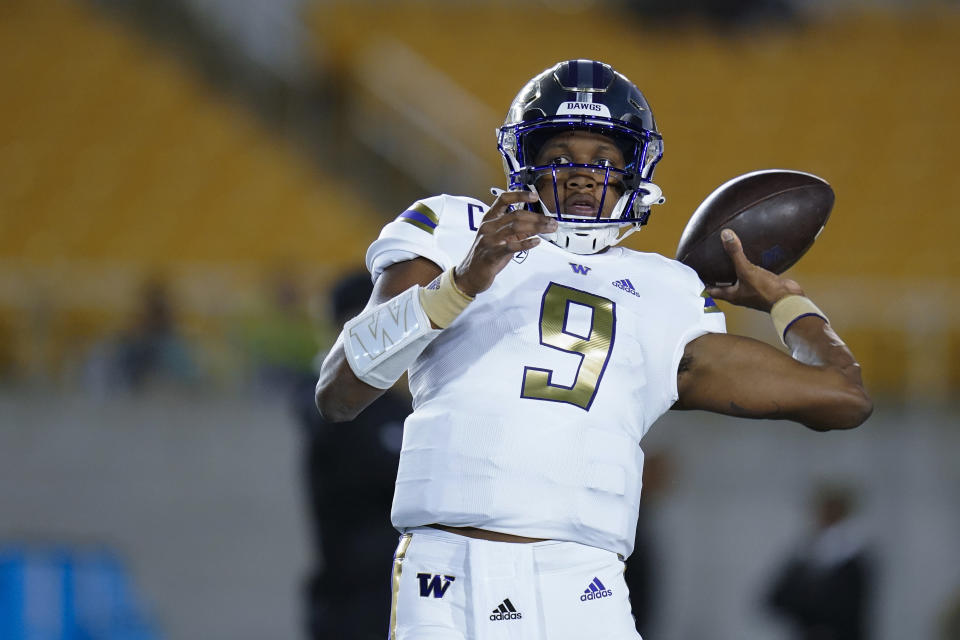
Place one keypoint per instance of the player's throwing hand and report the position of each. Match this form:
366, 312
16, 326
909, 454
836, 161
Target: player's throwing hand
755, 287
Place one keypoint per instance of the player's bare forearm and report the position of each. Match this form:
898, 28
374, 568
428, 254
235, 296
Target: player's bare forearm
814, 342
818, 385
340, 395
743, 377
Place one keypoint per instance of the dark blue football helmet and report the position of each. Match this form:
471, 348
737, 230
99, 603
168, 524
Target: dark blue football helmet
591, 96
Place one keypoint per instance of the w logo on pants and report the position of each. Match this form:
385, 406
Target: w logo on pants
431, 584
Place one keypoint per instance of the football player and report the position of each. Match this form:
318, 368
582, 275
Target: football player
539, 353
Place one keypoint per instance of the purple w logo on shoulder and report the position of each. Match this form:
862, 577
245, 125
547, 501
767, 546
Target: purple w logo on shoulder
579, 268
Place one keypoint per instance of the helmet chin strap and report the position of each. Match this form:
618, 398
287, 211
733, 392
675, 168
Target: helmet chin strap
651, 194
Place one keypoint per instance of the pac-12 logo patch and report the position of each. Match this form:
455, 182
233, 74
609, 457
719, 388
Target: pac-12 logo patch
436, 585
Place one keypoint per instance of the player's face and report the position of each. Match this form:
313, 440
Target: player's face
579, 189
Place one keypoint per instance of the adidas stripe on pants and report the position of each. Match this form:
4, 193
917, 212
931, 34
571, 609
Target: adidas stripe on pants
449, 587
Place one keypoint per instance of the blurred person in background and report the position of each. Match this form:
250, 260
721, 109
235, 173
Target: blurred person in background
722, 13
348, 473
641, 573
152, 352
280, 340
950, 617
155, 348
9, 367
540, 353
824, 589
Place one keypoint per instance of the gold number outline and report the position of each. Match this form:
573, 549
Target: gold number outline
537, 381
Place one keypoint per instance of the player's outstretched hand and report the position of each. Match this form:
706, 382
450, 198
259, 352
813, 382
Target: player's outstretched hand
503, 232
755, 287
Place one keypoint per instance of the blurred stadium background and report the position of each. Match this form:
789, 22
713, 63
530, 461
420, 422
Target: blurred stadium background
182, 180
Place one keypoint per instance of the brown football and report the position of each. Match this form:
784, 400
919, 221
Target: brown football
777, 213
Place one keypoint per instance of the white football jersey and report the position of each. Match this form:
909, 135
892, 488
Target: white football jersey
529, 408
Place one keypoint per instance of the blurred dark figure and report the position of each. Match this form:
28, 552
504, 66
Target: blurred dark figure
280, 339
349, 471
720, 13
153, 350
950, 618
824, 590
641, 567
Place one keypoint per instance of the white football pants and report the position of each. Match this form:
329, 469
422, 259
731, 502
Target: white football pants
450, 587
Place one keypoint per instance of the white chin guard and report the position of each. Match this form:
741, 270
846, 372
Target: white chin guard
583, 239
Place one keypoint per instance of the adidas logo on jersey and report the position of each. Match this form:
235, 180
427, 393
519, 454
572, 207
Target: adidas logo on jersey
595, 591
506, 611
627, 286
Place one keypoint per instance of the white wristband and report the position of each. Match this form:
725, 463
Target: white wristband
384, 341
